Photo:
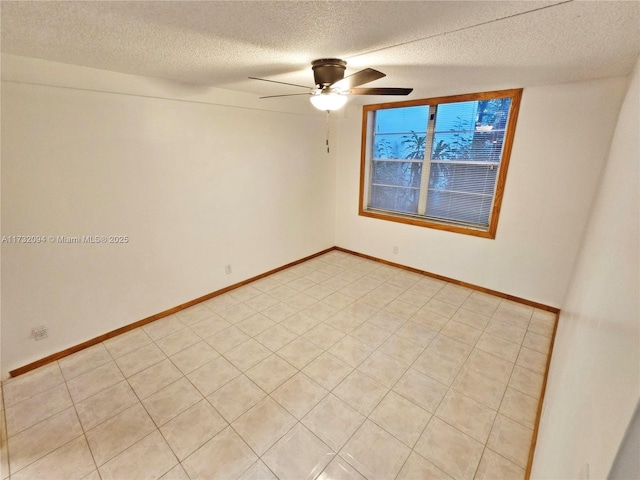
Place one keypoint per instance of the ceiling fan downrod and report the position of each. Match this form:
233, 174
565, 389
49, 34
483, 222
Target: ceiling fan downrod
327, 71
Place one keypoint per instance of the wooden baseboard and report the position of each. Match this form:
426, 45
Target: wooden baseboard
506, 296
536, 426
540, 306
555, 310
171, 311
139, 323
152, 318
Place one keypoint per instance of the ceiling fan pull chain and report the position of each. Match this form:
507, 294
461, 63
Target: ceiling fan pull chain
327, 141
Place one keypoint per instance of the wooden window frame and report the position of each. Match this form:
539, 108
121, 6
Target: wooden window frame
365, 157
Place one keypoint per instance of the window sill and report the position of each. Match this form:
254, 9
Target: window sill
427, 223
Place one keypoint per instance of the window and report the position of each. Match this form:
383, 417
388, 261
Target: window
439, 162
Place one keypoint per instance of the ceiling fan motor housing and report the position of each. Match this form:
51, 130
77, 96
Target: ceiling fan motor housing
328, 71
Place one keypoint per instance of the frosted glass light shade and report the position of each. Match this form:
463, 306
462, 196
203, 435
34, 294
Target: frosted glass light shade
328, 101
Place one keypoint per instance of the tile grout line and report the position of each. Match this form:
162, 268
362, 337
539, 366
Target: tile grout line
84, 432
485, 446
449, 388
113, 359
367, 417
126, 379
329, 392
376, 349
140, 401
64, 382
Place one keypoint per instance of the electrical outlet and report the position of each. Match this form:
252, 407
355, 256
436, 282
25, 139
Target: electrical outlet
396, 249
227, 269
39, 333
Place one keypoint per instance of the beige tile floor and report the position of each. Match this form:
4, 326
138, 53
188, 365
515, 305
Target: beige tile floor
337, 368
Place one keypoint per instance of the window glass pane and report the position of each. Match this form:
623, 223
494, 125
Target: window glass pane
400, 132
480, 179
456, 116
476, 146
471, 130
413, 145
398, 146
461, 192
388, 146
466, 132
406, 174
459, 207
457, 145
401, 120
397, 199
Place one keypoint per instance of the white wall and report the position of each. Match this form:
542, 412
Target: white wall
594, 379
561, 142
196, 178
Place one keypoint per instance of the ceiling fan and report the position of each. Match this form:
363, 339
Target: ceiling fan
332, 87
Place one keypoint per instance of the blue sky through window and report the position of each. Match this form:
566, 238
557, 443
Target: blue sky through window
393, 126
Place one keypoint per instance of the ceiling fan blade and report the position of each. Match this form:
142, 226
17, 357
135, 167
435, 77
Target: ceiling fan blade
283, 83
380, 91
359, 78
285, 95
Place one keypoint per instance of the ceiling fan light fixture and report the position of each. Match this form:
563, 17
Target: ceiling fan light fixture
328, 101
332, 87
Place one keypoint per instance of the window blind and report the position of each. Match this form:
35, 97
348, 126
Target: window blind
439, 160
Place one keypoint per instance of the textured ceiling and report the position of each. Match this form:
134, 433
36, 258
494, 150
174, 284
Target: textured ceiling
434, 47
